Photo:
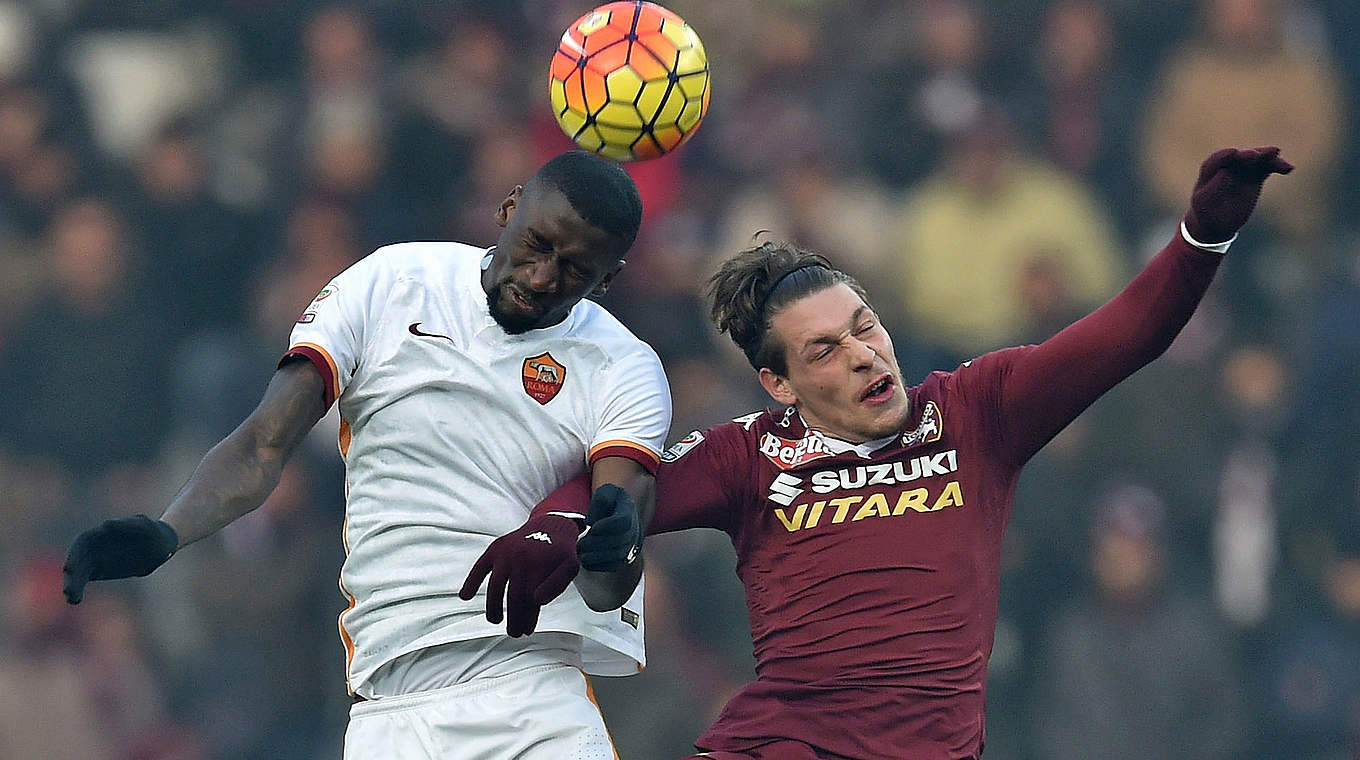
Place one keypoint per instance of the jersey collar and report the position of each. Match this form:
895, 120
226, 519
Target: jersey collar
492, 332
791, 417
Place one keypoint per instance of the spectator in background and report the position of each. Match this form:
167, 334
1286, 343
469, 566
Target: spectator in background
812, 200
37, 503
88, 355
1312, 674
1252, 402
926, 68
71, 689
446, 98
460, 84
1141, 671
1340, 19
969, 234
499, 156
1081, 104
37, 167
1256, 86
1320, 474
344, 126
45, 700
199, 253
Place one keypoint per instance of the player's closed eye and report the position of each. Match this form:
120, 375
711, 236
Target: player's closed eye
575, 272
537, 244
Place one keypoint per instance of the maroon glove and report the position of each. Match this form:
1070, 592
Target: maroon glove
529, 567
1229, 183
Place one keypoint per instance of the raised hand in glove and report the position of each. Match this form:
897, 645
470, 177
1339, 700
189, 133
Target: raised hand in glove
1225, 194
123, 548
529, 567
613, 536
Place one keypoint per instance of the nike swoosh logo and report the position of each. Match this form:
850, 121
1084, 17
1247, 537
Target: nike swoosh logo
415, 330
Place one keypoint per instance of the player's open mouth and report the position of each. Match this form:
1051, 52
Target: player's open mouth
520, 300
879, 390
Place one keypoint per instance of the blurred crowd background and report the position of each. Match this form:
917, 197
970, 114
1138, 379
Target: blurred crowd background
179, 177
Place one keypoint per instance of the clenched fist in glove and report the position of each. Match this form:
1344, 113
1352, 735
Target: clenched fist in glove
613, 537
123, 548
1225, 194
529, 567
535, 563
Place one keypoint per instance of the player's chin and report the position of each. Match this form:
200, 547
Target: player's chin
513, 318
884, 419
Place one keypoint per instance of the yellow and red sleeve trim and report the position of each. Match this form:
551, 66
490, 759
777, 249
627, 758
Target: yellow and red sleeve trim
628, 450
321, 358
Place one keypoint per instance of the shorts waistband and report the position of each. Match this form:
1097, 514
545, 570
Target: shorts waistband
362, 706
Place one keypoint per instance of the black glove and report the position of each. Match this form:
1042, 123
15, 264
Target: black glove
122, 548
1225, 194
529, 567
613, 536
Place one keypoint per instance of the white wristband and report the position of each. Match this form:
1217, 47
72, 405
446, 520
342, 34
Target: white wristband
1211, 247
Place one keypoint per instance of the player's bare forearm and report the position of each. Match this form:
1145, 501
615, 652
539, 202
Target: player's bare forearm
603, 591
240, 472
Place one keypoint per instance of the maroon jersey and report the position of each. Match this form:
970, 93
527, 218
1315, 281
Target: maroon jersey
872, 576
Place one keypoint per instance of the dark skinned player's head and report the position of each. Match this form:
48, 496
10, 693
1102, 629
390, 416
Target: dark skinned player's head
809, 332
564, 235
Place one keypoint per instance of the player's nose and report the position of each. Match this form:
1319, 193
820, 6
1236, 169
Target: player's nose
543, 276
861, 353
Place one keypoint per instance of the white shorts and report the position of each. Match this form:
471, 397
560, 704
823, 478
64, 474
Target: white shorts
546, 712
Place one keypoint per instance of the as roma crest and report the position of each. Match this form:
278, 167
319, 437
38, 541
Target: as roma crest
543, 377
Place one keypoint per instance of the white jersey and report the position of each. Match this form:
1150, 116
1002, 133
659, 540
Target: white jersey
452, 430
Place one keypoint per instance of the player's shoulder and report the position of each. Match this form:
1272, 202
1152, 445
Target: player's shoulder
424, 258
979, 374
735, 436
754, 426
594, 323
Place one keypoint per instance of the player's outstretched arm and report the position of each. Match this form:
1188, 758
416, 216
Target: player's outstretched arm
235, 477
1047, 387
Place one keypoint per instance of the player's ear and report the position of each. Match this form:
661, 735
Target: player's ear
508, 206
603, 287
778, 387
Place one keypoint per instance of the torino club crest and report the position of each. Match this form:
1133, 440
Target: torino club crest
543, 377
932, 425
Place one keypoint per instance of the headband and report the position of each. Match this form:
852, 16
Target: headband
779, 280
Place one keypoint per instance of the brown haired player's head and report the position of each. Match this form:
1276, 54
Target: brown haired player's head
809, 332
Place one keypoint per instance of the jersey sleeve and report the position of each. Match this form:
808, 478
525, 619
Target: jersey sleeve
331, 331
634, 400
702, 481
1040, 389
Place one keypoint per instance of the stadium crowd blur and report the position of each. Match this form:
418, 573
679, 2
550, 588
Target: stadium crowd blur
179, 177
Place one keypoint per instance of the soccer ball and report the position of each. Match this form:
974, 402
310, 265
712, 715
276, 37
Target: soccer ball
629, 81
